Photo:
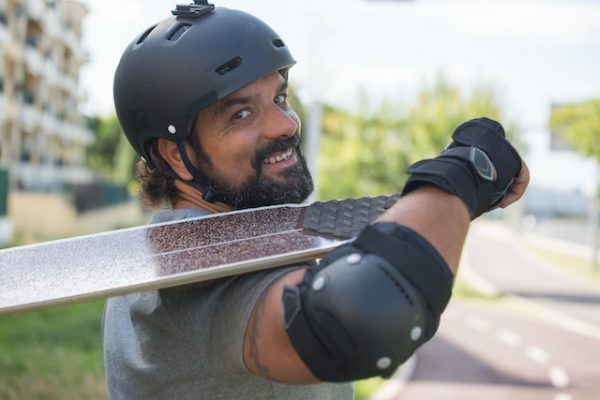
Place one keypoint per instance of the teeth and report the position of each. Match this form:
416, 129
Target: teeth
279, 157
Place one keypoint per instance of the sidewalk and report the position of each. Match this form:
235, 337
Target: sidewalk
496, 262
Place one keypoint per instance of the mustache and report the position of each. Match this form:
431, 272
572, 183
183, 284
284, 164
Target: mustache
277, 146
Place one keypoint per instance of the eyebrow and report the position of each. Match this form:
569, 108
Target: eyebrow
228, 103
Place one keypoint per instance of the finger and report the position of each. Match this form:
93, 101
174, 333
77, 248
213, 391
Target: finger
517, 189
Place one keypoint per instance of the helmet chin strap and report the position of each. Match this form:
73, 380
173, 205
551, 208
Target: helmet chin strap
198, 180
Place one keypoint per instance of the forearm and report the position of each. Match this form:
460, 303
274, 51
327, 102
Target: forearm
438, 216
267, 348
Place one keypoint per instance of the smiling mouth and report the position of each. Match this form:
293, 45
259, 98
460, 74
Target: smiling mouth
279, 157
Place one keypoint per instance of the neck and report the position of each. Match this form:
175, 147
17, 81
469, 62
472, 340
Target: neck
188, 197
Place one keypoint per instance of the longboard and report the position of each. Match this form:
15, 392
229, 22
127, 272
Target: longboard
163, 255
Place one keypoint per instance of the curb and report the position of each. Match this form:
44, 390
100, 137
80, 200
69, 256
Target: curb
487, 288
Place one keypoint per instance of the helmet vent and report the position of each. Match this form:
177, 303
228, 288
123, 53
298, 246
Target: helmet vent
178, 32
145, 34
278, 43
229, 66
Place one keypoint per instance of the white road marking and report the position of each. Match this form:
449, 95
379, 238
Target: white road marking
509, 338
536, 354
559, 377
563, 396
478, 324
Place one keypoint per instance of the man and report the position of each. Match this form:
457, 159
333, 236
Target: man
202, 97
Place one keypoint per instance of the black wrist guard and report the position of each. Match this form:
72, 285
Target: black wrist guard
368, 305
478, 166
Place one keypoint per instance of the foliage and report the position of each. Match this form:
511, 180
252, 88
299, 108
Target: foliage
365, 389
110, 155
367, 152
579, 124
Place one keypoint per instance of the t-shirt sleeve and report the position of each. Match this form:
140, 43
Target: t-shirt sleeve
214, 315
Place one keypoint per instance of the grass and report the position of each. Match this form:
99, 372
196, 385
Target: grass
54, 354
578, 265
364, 390
462, 290
57, 354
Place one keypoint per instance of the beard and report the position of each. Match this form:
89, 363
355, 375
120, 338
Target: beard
262, 190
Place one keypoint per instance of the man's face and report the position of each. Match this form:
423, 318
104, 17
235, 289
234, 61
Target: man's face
249, 146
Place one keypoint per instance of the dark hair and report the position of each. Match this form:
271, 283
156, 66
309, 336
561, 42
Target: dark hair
157, 188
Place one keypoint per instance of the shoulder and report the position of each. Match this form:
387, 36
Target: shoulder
177, 214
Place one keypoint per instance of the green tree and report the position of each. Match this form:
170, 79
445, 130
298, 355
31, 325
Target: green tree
110, 155
368, 152
579, 124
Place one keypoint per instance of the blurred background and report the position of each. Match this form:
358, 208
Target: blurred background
379, 84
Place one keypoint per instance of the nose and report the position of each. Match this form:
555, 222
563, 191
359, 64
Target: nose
281, 123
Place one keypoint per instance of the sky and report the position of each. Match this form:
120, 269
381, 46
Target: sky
533, 53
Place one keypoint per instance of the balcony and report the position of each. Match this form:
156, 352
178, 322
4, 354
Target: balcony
51, 73
36, 9
52, 27
72, 133
71, 40
38, 176
34, 61
68, 83
30, 117
49, 123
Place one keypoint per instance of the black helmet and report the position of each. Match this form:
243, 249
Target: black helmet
187, 63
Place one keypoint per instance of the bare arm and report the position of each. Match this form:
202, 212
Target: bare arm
438, 216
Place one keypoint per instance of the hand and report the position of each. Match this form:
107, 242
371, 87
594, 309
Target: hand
480, 167
517, 189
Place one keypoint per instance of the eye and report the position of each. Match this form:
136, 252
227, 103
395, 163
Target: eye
280, 98
241, 114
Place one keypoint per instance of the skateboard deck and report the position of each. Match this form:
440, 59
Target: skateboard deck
175, 253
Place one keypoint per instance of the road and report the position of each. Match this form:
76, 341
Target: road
485, 352
542, 341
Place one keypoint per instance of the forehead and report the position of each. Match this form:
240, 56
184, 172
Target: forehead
266, 85
273, 79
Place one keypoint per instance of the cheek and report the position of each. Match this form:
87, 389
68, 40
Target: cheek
295, 117
234, 158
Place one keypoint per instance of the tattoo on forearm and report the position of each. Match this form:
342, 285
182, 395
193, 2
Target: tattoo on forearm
254, 333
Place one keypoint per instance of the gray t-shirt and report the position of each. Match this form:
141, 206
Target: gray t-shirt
187, 342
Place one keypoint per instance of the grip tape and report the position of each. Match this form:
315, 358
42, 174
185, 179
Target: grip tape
344, 219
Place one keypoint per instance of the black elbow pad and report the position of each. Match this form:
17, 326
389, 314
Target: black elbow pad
359, 315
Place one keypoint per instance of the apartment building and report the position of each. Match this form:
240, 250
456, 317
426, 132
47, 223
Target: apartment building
42, 134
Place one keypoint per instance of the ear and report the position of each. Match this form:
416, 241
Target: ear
170, 153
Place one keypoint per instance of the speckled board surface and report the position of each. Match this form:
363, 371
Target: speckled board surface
156, 256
